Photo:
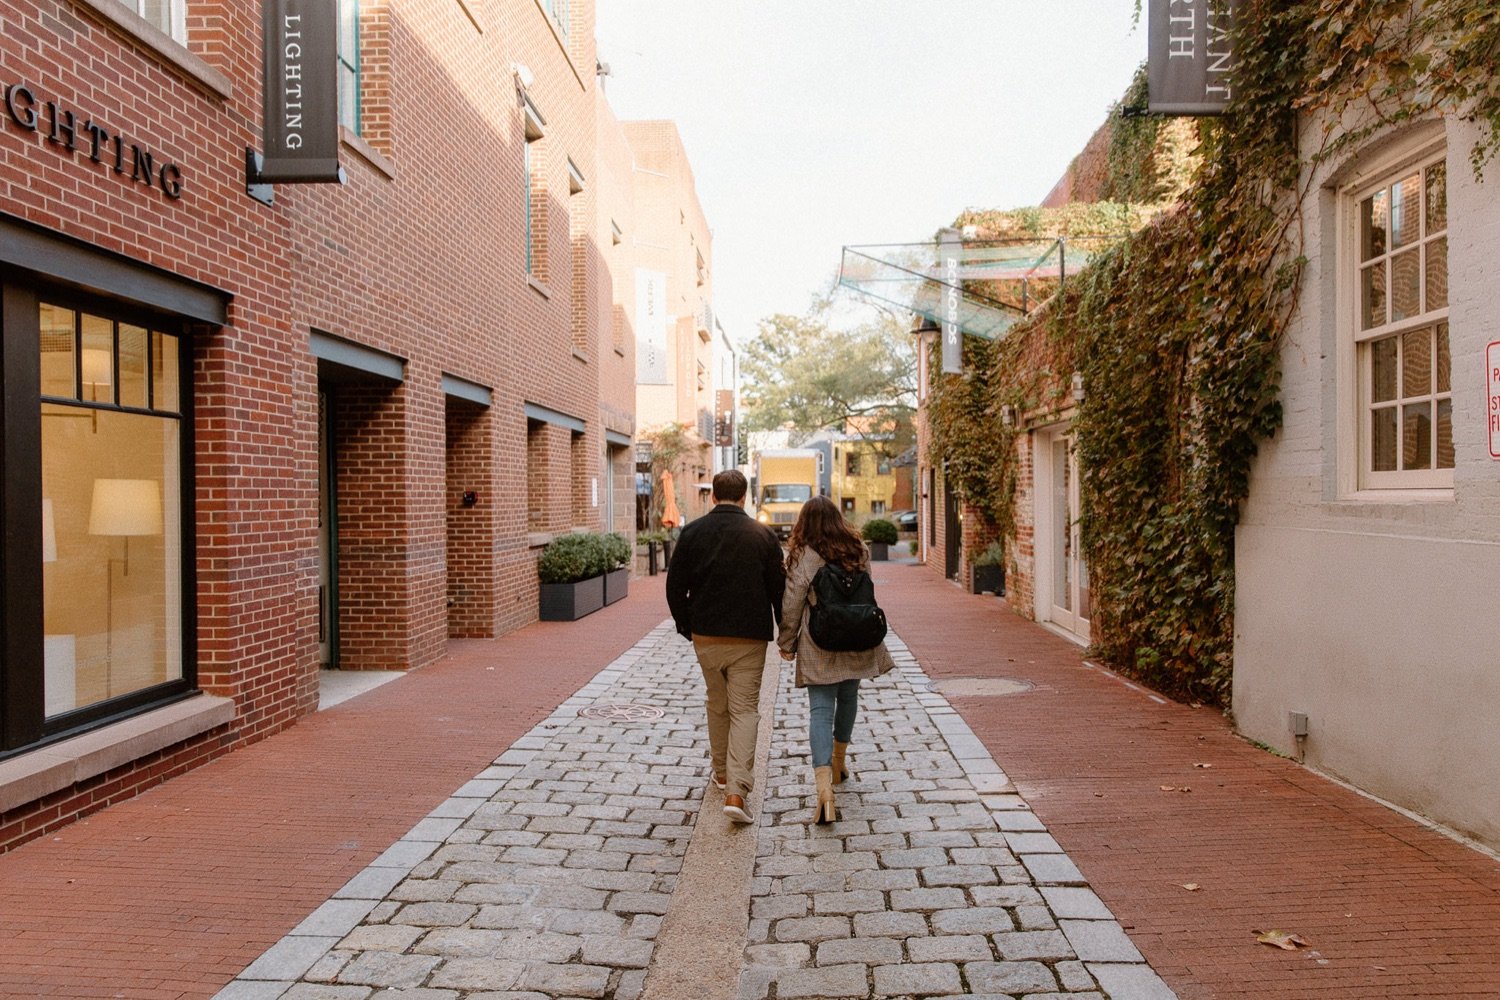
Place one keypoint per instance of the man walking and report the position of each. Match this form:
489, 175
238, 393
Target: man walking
724, 587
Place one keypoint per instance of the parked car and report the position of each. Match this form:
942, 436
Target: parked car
906, 520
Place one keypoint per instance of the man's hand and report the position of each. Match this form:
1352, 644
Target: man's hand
788, 656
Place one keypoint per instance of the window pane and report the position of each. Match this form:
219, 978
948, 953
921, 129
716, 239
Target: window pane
1406, 284
1416, 363
348, 98
132, 366
98, 359
157, 12
164, 373
112, 593
1416, 436
349, 31
1444, 362
1437, 197
58, 372
1383, 439
1373, 296
1372, 225
1406, 218
1445, 434
1437, 273
1383, 370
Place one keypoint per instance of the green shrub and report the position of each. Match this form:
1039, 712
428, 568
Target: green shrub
993, 555
617, 551
573, 557
912, 545
879, 530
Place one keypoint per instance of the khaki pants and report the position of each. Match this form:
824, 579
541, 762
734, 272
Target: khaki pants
732, 670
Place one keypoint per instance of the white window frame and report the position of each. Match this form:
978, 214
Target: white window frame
1356, 479
176, 13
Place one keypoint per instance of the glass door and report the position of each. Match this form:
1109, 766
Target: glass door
1068, 603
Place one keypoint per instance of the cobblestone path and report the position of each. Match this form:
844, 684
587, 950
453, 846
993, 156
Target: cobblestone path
548, 875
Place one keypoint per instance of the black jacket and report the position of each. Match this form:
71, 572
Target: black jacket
726, 577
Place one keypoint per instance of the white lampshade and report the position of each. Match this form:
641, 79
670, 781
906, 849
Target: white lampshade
49, 533
126, 507
97, 366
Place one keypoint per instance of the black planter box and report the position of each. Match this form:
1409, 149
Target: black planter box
880, 551
616, 585
567, 602
991, 578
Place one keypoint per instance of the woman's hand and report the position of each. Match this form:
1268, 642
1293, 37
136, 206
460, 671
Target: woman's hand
788, 656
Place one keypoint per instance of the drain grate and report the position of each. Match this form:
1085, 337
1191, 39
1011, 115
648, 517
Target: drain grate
979, 687
621, 711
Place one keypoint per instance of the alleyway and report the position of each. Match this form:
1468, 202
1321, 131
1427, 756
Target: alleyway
487, 828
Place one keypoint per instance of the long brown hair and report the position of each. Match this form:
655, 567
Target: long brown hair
822, 528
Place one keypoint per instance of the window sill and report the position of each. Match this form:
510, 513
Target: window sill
538, 539
1405, 497
61, 765
538, 287
367, 152
168, 48
620, 351
580, 355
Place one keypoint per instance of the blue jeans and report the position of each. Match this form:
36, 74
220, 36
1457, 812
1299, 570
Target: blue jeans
831, 711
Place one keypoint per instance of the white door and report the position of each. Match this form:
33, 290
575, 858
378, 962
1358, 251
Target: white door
1063, 575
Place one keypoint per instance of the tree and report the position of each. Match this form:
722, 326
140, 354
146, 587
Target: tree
806, 374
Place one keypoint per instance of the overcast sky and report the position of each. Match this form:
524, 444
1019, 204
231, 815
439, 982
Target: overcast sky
814, 125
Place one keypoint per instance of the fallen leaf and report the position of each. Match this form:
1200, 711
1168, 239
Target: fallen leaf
1203, 765
1169, 788
1191, 886
1285, 940
1185, 788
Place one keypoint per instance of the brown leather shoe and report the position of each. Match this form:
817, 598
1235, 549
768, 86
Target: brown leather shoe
734, 808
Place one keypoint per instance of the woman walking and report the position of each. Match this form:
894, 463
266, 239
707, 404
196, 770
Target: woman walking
821, 536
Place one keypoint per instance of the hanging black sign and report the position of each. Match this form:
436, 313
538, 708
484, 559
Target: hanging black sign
1190, 57
301, 92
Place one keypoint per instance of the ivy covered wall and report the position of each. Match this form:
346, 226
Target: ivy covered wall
1175, 329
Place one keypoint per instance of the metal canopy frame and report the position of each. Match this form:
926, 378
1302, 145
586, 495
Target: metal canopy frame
999, 282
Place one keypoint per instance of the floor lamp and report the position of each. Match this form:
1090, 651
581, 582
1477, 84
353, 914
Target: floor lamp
121, 508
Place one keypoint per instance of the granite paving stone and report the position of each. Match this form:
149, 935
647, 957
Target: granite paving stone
548, 874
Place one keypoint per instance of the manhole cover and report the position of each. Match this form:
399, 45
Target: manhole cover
979, 687
622, 711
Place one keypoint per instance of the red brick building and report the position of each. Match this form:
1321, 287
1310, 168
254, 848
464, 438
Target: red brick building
244, 441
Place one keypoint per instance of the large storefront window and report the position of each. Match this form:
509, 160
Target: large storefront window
111, 508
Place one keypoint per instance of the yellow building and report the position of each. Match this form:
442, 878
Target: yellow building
863, 479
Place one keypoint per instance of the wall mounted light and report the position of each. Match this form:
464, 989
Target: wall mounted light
1078, 387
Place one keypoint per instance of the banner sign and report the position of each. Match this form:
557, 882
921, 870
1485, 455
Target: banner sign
301, 97
650, 328
950, 247
1190, 56
724, 418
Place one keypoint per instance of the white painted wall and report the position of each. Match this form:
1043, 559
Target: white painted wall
1379, 615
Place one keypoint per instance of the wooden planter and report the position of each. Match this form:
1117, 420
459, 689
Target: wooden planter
989, 578
616, 585
567, 602
880, 551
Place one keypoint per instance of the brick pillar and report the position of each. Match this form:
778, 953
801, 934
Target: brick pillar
391, 534
470, 530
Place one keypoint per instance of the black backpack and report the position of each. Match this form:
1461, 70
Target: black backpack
845, 618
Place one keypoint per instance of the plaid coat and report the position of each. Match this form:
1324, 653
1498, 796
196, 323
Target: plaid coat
814, 665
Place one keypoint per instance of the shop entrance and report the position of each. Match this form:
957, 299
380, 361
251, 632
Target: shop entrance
328, 534
1062, 593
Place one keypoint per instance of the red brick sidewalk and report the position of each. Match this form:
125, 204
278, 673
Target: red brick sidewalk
1391, 909
171, 894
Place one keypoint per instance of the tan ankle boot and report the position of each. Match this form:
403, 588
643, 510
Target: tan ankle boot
826, 812
840, 771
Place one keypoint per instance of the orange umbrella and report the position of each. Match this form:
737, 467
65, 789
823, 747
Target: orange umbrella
671, 517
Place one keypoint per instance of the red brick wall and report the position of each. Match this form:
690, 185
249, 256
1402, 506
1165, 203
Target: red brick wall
420, 255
